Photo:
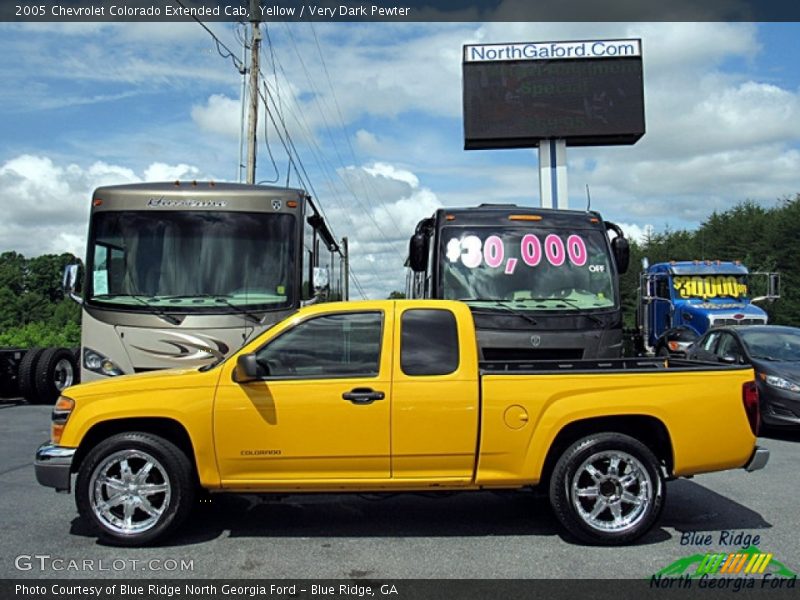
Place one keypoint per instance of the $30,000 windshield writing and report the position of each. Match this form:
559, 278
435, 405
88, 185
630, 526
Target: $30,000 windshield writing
472, 252
716, 286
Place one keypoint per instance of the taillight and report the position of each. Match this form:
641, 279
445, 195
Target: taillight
750, 401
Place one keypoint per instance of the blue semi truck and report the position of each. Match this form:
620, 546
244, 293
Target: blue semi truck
680, 300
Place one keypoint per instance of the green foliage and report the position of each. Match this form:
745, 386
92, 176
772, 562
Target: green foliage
396, 295
33, 310
764, 239
42, 335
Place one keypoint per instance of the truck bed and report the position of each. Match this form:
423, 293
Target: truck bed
615, 365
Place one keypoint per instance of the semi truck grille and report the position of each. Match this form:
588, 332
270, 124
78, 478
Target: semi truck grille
738, 322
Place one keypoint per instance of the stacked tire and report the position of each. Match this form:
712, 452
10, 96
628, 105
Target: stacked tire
45, 372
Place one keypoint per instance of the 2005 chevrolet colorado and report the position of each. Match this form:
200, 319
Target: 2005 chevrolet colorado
390, 396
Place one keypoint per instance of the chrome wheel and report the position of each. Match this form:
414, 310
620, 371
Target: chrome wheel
63, 374
611, 491
129, 491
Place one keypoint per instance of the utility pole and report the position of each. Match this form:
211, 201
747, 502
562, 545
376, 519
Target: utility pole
252, 117
346, 270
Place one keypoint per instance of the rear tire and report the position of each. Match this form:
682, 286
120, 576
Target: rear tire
55, 371
135, 488
26, 376
607, 489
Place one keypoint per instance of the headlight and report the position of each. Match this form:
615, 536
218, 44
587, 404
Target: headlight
61, 412
780, 383
94, 361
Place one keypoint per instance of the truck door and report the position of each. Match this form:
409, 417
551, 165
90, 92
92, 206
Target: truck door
322, 412
435, 407
660, 310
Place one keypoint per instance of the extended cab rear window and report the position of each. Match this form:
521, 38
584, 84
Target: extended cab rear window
429, 342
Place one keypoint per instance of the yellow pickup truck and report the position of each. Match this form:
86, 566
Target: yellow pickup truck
391, 396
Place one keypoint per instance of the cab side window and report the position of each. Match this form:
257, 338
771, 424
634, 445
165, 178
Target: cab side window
662, 287
429, 342
328, 346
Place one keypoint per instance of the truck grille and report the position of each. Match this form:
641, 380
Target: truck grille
738, 322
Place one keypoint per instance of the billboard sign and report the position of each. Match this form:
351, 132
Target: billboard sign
589, 93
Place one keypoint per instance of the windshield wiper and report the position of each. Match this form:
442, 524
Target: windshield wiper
157, 311
502, 304
569, 302
216, 298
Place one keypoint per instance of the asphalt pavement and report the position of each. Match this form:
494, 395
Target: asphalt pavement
510, 535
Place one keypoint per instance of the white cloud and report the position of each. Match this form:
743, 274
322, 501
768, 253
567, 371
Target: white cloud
46, 204
164, 172
380, 221
635, 232
220, 115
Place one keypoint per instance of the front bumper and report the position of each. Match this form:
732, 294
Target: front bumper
758, 460
53, 466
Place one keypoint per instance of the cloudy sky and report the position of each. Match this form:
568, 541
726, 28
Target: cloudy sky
374, 110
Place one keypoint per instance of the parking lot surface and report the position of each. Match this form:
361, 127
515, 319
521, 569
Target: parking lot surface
467, 535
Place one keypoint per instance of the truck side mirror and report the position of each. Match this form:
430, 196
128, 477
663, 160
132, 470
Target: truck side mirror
774, 290
70, 281
248, 369
321, 279
418, 252
622, 254
648, 287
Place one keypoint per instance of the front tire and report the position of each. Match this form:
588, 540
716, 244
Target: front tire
608, 489
135, 488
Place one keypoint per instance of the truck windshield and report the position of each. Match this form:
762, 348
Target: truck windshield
535, 269
709, 286
187, 261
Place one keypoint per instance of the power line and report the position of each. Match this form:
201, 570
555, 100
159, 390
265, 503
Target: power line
347, 184
219, 43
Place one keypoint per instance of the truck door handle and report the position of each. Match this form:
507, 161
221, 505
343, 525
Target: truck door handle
363, 395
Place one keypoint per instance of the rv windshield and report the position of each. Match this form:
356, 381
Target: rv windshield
191, 260
533, 269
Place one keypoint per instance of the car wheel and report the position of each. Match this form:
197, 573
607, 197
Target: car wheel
135, 488
607, 488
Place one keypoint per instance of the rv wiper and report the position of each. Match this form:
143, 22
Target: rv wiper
502, 304
216, 298
157, 311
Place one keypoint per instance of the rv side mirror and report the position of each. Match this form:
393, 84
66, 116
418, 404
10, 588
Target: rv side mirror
622, 254
418, 252
247, 369
70, 282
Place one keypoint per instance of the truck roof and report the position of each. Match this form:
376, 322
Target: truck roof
692, 267
498, 214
